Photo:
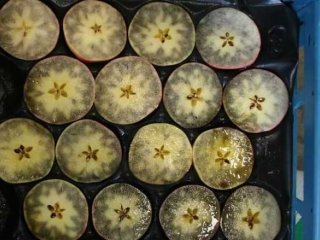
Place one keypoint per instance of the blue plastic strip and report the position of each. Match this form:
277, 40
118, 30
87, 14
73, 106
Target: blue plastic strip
309, 98
299, 4
316, 184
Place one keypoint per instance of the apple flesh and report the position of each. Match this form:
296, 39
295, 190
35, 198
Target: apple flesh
163, 33
94, 31
256, 100
29, 30
228, 39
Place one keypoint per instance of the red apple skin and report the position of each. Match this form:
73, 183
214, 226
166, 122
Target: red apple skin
239, 66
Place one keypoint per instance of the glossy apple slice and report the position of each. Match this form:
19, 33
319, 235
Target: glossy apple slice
88, 152
163, 33
55, 209
190, 212
228, 39
128, 90
251, 213
59, 90
26, 151
256, 100
160, 153
94, 31
223, 158
29, 30
121, 212
193, 95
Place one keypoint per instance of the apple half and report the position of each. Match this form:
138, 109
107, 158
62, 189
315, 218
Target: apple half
251, 212
55, 209
163, 33
256, 100
227, 38
128, 89
26, 151
160, 153
193, 95
59, 90
29, 30
121, 212
190, 212
223, 157
88, 152
94, 31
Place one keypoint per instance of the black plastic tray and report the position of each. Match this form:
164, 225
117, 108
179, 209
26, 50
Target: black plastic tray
278, 26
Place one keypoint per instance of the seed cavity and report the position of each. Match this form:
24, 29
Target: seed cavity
163, 35
96, 28
123, 213
191, 215
24, 152
256, 102
251, 218
222, 158
227, 40
194, 96
56, 211
58, 91
25, 28
91, 154
161, 152
127, 91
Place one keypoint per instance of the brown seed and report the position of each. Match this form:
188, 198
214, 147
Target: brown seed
259, 107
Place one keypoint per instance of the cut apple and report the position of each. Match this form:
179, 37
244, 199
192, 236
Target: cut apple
128, 90
223, 158
26, 151
59, 90
160, 153
193, 95
55, 209
228, 39
190, 212
94, 31
251, 213
256, 100
163, 33
88, 152
29, 30
121, 212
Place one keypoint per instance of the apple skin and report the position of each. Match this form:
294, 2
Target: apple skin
239, 66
